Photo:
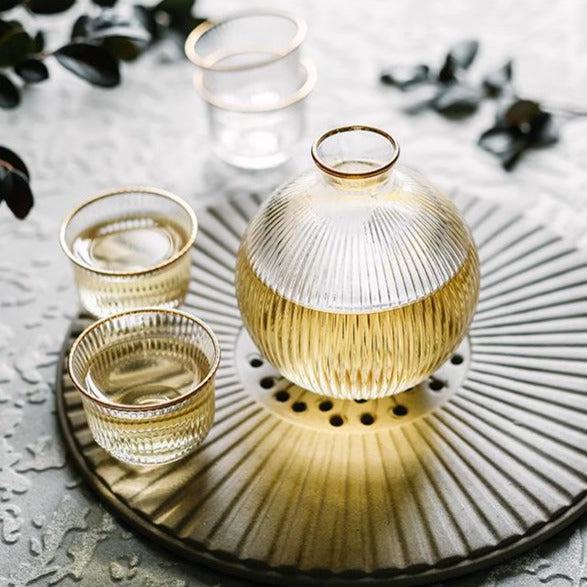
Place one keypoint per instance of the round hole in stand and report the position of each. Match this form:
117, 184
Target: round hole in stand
367, 419
325, 406
267, 382
436, 385
281, 396
336, 420
299, 406
456, 359
255, 362
399, 410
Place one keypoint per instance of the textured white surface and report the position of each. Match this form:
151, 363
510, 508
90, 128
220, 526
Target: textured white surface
77, 140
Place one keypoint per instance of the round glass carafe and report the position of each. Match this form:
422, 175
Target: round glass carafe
359, 278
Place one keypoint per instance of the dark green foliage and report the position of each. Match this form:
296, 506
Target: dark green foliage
49, 6
9, 94
519, 125
32, 71
14, 184
93, 64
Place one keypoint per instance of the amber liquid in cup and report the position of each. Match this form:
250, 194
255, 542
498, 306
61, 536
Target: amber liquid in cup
130, 248
128, 244
146, 373
139, 373
147, 383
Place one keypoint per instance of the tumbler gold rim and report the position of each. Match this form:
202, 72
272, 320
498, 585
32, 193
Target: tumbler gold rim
203, 28
151, 407
301, 93
386, 166
129, 190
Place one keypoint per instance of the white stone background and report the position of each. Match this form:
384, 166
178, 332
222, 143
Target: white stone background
77, 140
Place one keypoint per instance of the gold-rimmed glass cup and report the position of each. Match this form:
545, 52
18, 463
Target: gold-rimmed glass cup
255, 82
130, 248
146, 380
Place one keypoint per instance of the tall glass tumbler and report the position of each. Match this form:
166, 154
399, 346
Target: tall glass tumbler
254, 81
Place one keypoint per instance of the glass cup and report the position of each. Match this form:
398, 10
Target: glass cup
146, 380
255, 82
130, 248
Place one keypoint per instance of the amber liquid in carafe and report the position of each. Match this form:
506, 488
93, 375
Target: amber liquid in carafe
362, 355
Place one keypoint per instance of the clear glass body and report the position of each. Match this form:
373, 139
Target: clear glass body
147, 383
360, 280
130, 248
255, 83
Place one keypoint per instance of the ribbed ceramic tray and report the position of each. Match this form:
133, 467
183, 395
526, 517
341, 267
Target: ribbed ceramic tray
485, 459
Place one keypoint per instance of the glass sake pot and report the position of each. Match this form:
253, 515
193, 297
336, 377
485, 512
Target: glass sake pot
358, 278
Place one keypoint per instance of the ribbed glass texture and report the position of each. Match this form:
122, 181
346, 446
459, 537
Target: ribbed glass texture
360, 280
147, 383
253, 76
130, 249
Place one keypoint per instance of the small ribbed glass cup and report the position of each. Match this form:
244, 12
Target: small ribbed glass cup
255, 82
130, 248
146, 380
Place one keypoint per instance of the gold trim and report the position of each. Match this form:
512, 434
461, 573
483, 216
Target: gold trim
349, 175
121, 191
146, 408
203, 28
300, 94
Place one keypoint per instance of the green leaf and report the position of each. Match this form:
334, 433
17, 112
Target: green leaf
522, 113
15, 45
122, 48
405, 76
184, 6
8, 4
495, 82
16, 192
91, 63
458, 59
7, 26
38, 42
464, 53
32, 71
458, 100
79, 30
109, 24
49, 6
9, 94
185, 24
180, 15
13, 160
146, 19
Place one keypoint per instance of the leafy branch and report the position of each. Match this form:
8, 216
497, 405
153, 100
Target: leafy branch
98, 43
520, 124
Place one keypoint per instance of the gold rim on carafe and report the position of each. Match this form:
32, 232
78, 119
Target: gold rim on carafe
326, 168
